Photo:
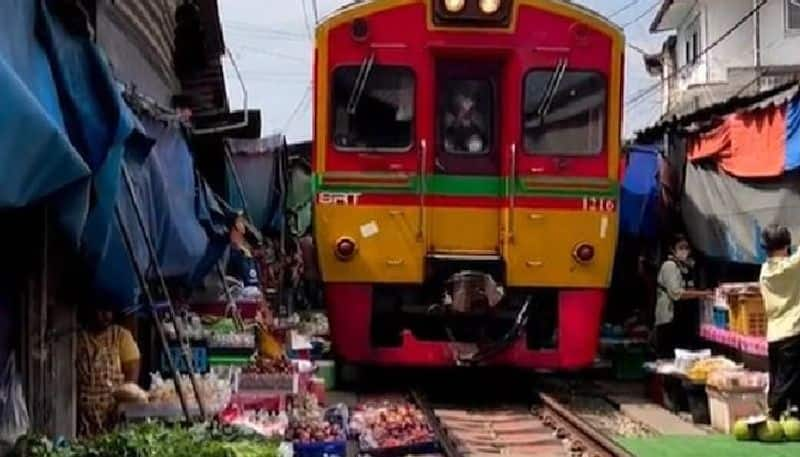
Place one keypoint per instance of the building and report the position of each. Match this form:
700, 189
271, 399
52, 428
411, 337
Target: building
723, 48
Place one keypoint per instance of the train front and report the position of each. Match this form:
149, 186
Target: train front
466, 179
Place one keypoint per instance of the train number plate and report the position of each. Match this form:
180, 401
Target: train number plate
602, 205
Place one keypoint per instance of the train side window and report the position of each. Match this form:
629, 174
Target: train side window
564, 115
373, 109
466, 116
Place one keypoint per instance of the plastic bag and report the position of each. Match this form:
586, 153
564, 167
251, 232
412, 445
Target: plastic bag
14, 419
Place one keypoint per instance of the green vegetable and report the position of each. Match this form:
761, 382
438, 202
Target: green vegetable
153, 439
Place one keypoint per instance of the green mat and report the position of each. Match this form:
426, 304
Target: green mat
706, 446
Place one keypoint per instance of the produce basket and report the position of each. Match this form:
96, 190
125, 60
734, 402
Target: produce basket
748, 316
725, 408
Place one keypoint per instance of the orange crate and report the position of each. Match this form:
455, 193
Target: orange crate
748, 316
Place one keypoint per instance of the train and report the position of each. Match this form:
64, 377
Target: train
466, 172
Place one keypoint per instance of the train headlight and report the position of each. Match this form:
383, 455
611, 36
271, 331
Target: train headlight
490, 6
345, 249
584, 253
454, 6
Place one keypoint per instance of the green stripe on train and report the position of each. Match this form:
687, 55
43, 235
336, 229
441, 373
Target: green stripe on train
464, 186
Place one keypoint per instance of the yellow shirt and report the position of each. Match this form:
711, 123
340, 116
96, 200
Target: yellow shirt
780, 288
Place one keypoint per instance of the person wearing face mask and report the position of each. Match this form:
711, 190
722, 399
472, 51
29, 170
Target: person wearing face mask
780, 289
676, 302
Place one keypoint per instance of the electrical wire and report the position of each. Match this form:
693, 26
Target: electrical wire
305, 99
642, 16
306, 20
647, 91
628, 6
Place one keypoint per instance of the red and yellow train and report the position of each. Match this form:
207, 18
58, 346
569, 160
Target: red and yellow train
466, 177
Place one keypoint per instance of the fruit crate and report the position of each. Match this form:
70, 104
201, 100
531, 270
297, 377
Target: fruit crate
720, 318
326, 449
726, 407
748, 316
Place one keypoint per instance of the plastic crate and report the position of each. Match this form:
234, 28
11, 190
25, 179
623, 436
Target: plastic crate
748, 316
720, 318
199, 359
725, 408
330, 449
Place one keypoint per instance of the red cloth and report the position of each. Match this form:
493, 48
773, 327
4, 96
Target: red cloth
749, 144
712, 144
758, 143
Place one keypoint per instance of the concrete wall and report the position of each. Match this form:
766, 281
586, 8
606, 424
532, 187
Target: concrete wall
779, 46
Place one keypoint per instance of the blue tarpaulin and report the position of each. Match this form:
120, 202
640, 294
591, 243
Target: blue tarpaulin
793, 134
640, 190
66, 133
256, 163
162, 173
37, 157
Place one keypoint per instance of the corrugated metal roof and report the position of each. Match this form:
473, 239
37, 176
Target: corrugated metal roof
702, 118
150, 24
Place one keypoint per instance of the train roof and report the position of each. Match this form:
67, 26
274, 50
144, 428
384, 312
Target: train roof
355, 4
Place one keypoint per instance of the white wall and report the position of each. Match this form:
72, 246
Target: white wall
737, 49
778, 46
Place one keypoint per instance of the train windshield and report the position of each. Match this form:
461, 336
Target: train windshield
466, 116
572, 121
381, 115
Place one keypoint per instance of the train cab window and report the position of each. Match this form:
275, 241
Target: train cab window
373, 107
564, 115
465, 118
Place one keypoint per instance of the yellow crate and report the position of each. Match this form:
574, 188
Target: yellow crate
748, 316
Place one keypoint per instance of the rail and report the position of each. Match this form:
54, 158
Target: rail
516, 432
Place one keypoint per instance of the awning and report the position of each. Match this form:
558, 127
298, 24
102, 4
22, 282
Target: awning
255, 164
639, 195
671, 15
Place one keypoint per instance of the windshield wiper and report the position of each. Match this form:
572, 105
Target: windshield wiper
360, 84
551, 90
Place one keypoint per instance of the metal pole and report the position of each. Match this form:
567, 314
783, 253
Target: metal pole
187, 355
126, 238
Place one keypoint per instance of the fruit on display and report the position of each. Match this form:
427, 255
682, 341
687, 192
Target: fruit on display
314, 430
391, 425
742, 431
791, 428
770, 432
701, 369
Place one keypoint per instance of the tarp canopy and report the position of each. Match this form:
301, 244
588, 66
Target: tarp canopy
162, 173
724, 216
640, 191
256, 166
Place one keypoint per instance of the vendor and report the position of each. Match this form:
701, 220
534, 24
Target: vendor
677, 310
780, 288
107, 358
241, 263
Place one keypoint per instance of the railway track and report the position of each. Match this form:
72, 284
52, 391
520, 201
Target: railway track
547, 430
